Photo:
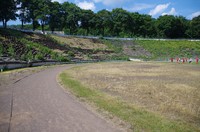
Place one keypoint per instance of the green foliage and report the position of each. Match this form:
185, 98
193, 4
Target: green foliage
1, 49
55, 20
25, 49
7, 11
171, 27
120, 57
81, 31
76, 21
11, 50
70, 17
29, 56
71, 54
86, 20
63, 59
163, 49
39, 56
10, 32
66, 31
54, 55
102, 21
194, 30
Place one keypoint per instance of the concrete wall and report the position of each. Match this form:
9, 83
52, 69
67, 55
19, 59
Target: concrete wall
13, 65
16, 65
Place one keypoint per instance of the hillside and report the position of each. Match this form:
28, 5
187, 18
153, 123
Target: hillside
87, 49
170, 48
16, 45
23, 46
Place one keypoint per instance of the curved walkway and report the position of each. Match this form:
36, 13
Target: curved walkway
38, 104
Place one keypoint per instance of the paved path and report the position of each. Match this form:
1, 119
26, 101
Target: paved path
39, 104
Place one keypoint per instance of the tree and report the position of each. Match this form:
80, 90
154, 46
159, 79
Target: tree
171, 27
24, 14
87, 20
102, 21
194, 30
7, 11
32, 7
71, 14
134, 24
55, 16
147, 26
121, 21
43, 12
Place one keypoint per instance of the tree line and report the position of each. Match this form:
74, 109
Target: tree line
73, 20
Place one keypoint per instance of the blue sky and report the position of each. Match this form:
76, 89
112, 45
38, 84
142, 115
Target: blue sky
155, 8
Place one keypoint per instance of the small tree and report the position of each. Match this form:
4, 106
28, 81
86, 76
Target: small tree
7, 11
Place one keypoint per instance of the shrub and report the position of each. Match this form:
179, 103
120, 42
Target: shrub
39, 56
71, 54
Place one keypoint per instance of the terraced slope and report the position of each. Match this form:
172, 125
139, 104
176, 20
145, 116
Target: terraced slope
18, 45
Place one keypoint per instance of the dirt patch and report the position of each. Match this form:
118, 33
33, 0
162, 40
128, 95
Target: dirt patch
132, 49
171, 90
82, 43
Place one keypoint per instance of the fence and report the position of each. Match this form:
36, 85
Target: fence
61, 33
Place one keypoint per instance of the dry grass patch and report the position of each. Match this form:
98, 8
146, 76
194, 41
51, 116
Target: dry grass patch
170, 90
81, 42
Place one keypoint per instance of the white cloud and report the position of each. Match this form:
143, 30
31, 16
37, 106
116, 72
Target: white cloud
110, 2
60, 1
171, 12
86, 5
159, 9
139, 7
195, 14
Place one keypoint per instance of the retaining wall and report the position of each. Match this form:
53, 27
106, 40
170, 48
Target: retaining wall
15, 65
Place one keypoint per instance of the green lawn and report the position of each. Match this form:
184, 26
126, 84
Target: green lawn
163, 49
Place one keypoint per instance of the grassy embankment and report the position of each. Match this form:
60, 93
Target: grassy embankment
151, 97
167, 49
93, 48
28, 46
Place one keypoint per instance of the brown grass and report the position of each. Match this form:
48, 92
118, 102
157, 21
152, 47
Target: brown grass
81, 42
171, 90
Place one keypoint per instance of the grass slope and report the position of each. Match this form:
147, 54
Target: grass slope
167, 49
28, 46
84, 48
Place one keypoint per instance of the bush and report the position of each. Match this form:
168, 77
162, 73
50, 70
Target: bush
67, 31
39, 56
71, 54
81, 32
63, 59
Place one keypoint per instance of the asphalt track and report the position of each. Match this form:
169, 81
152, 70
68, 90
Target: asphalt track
37, 103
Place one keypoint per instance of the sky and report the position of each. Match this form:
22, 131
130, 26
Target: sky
155, 8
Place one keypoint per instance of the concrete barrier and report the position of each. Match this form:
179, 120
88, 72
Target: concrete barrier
9, 65
4, 65
12, 65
